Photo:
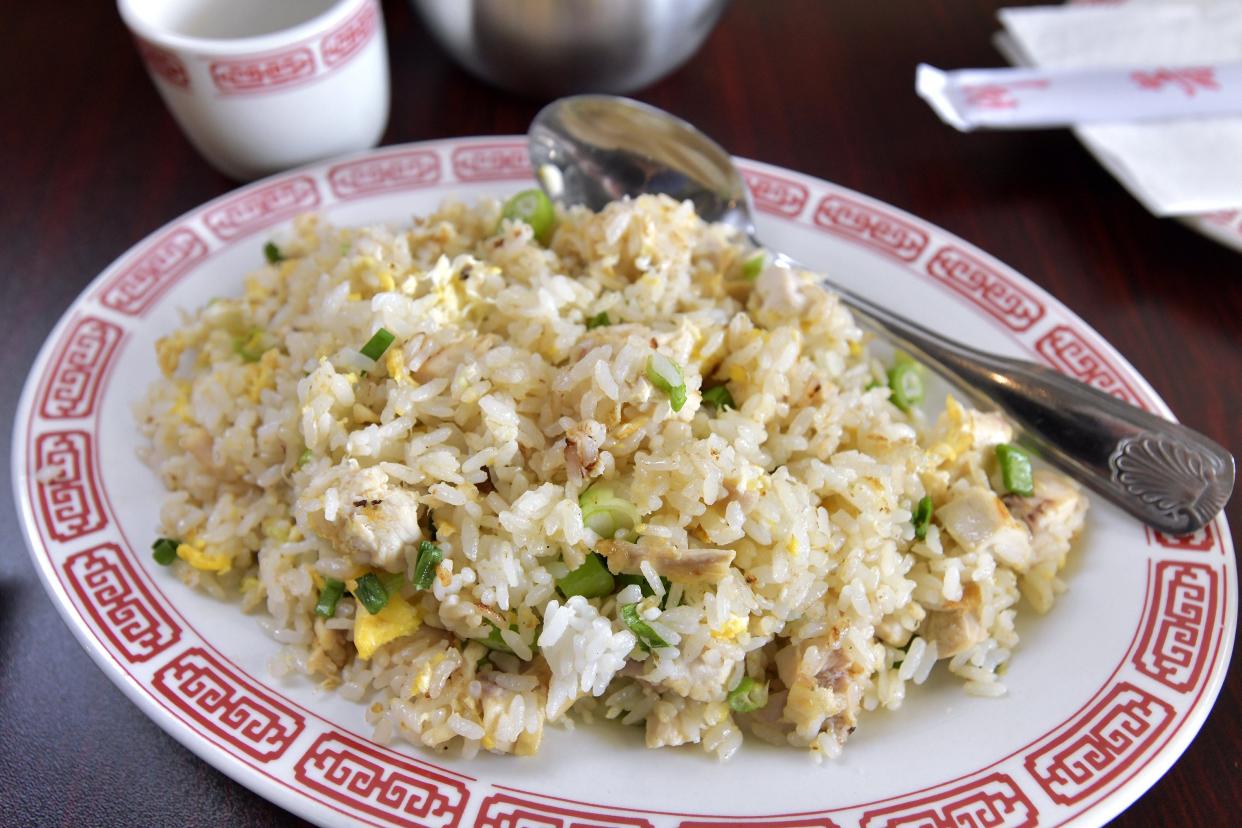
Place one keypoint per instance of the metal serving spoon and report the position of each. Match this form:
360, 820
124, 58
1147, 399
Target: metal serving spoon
593, 149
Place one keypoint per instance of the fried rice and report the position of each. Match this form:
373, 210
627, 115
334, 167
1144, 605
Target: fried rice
757, 563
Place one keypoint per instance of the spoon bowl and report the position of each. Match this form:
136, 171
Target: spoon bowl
589, 150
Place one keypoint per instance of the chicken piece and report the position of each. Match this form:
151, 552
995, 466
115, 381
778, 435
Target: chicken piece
373, 521
1055, 501
979, 522
988, 429
823, 693
779, 292
681, 566
582, 443
957, 627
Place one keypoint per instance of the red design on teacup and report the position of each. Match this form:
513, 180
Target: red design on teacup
776, 195
1067, 351
394, 171
157, 266
122, 607
491, 162
398, 791
1174, 646
263, 207
342, 43
68, 488
504, 811
163, 64
76, 370
875, 228
1189, 80
994, 801
260, 74
1099, 745
986, 287
227, 705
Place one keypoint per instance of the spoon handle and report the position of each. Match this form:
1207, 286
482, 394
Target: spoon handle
1169, 476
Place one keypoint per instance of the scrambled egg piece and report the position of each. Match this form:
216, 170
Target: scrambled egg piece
396, 619
731, 629
196, 555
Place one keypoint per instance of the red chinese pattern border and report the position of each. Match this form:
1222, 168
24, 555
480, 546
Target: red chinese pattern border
473, 163
1203, 540
501, 810
1068, 351
396, 790
1177, 633
389, 172
77, 369
262, 207
229, 706
122, 607
1099, 745
986, 287
776, 195
994, 800
874, 228
69, 502
152, 270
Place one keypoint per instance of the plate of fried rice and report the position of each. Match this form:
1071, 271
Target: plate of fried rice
405, 498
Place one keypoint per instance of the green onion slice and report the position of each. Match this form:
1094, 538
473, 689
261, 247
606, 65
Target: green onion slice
906, 383
666, 375
719, 398
748, 696
648, 638
272, 253
599, 320
328, 597
604, 513
1015, 468
534, 208
370, 593
494, 641
164, 551
753, 266
429, 557
922, 517
377, 344
303, 458
591, 580
252, 346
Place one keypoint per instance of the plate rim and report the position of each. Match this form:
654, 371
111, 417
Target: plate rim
1097, 808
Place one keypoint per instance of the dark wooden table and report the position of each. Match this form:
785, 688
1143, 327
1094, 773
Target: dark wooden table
92, 162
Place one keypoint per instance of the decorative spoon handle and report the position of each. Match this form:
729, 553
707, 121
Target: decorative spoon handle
1170, 477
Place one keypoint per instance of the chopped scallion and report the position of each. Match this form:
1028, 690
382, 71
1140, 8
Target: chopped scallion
252, 346
1015, 468
272, 253
328, 597
748, 696
393, 582
906, 383
648, 638
922, 517
606, 514
753, 267
719, 398
666, 375
599, 320
370, 593
494, 640
534, 208
377, 344
591, 580
429, 557
303, 458
164, 551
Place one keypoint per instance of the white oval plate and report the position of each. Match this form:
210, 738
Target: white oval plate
1105, 692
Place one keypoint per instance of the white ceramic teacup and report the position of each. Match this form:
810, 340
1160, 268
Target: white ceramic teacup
262, 85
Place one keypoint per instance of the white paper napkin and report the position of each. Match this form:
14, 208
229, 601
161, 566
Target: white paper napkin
1173, 168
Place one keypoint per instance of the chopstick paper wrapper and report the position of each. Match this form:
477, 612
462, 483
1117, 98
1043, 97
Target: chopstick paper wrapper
1033, 98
